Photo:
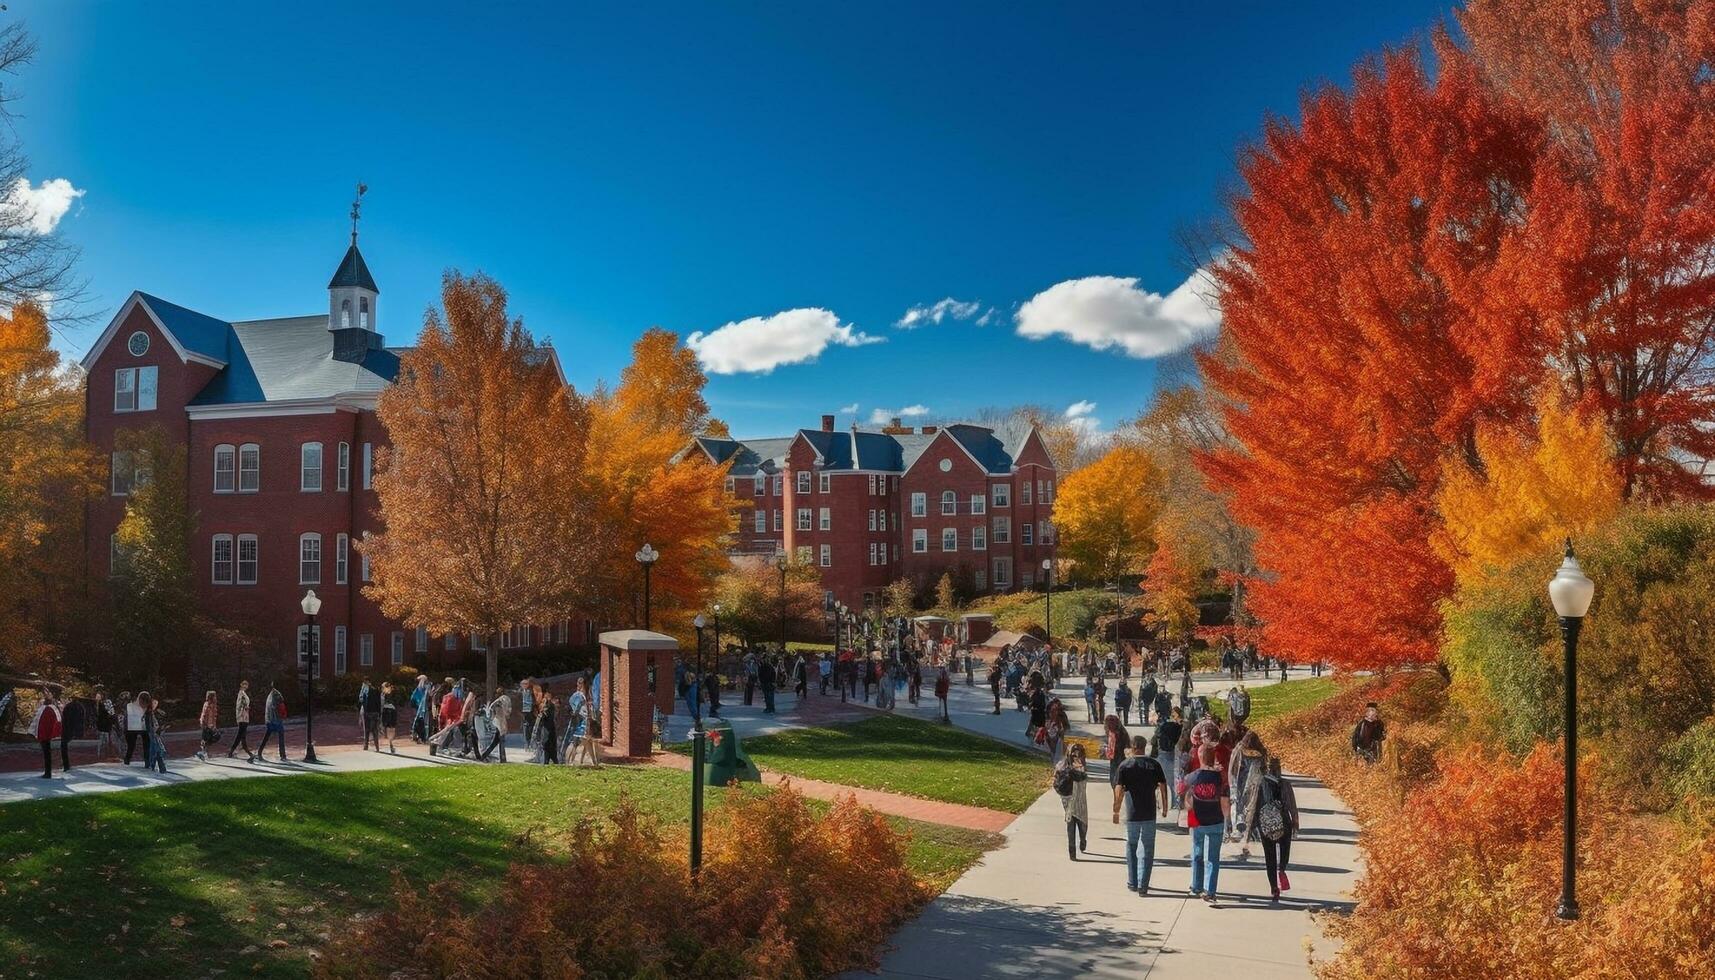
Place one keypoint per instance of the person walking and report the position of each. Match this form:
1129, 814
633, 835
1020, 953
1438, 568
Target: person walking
751, 670
1146, 692
766, 677
1276, 820
106, 722
451, 714
389, 714
583, 741
713, 681
995, 674
45, 726
134, 708
1071, 781
1140, 794
274, 719
527, 705
1167, 736
208, 720
825, 669
1090, 697
943, 687
241, 722
1101, 698
1248, 762
500, 716
546, 726
1122, 701
1116, 741
574, 718
156, 757
1055, 730
1037, 699
1209, 804
369, 714
1368, 735
420, 710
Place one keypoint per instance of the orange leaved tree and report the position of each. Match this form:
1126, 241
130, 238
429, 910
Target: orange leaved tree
1356, 304
645, 494
1611, 263
484, 491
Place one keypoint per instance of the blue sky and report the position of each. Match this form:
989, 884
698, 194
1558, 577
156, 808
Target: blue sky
806, 172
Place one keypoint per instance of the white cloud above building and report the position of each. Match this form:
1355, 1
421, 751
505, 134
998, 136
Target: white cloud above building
1115, 313
760, 344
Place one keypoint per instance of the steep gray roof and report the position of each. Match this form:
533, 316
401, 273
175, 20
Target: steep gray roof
292, 358
858, 449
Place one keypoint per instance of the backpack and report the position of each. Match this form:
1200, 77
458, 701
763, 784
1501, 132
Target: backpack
1063, 780
1271, 820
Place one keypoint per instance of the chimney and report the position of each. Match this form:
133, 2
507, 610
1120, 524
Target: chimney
895, 429
929, 430
827, 423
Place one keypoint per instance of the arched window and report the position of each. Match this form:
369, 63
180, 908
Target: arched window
363, 312
249, 468
310, 559
310, 468
225, 469
345, 313
949, 502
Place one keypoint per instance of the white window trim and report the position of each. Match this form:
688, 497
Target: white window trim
396, 648
979, 538
368, 465
1000, 495
341, 546
255, 451
306, 472
214, 559
339, 650
343, 463
949, 503
979, 503
919, 505
366, 649
955, 533
825, 519
919, 540
238, 560
303, 539
827, 556
824, 483
231, 453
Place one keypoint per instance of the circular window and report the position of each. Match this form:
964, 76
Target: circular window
138, 344
946, 466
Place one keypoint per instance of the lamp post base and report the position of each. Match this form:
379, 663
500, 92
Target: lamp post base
1567, 910
310, 753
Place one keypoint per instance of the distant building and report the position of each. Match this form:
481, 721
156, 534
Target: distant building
869, 508
278, 421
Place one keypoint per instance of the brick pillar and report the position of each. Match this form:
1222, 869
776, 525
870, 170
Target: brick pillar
628, 706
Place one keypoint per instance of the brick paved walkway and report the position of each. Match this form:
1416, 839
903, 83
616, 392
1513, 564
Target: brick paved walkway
892, 804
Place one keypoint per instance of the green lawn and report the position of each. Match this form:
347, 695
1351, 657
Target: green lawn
916, 758
172, 882
1284, 698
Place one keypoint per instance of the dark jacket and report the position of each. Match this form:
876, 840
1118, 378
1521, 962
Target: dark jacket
369, 700
1367, 737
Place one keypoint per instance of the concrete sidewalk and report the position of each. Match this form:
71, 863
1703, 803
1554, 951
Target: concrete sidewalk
1026, 910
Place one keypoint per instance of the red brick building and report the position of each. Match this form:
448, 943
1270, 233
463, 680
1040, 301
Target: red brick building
278, 421
869, 508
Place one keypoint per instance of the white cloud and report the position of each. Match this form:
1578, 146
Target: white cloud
883, 416
850, 409
944, 309
1081, 415
42, 207
1106, 312
762, 343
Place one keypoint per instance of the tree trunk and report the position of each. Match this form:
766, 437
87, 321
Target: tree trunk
492, 655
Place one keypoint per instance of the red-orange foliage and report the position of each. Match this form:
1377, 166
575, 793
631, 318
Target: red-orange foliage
784, 893
1357, 311
1611, 266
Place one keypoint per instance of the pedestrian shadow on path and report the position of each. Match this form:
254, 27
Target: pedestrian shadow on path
996, 939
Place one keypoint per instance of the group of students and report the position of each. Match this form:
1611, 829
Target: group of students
132, 720
454, 719
1220, 781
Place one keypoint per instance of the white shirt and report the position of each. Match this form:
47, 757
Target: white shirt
133, 717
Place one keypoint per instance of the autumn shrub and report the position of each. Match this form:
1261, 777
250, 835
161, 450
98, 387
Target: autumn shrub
784, 892
1646, 654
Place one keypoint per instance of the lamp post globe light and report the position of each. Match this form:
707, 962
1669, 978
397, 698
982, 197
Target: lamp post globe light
697, 759
1571, 591
311, 605
646, 557
1048, 599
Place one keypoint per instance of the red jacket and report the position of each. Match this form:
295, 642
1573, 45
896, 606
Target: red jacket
46, 724
452, 709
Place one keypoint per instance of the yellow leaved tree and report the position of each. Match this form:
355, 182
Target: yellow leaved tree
1105, 514
1533, 489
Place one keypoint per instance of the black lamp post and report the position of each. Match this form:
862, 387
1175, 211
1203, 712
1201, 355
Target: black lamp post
697, 752
1571, 591
646, 557
311, 605
1048, 599
780, 563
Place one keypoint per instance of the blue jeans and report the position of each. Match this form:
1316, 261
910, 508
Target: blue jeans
1206, 858
1136, 871
1169, 760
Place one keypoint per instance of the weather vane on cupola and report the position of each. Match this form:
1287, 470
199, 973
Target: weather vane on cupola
357, 208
